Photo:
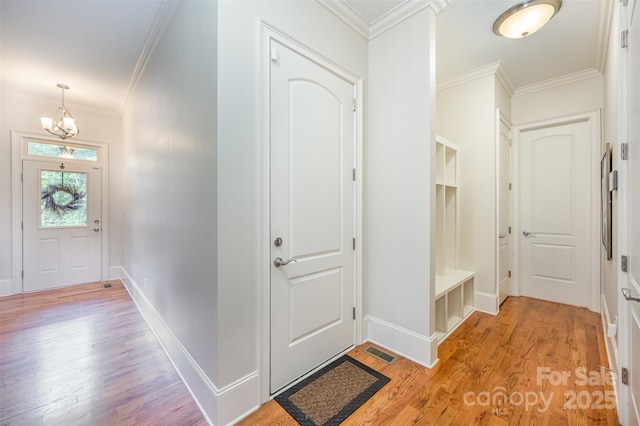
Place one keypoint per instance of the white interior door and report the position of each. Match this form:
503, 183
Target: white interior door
312, 214
504, 210
555, 211
61, 224
629, 338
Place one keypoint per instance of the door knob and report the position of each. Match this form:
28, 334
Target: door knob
527, 233
96, 229
627, 295
279, 262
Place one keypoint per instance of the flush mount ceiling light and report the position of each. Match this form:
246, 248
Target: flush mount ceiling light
526, 18
63, 125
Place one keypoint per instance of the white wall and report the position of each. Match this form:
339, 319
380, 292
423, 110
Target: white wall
170, 209
568, 99
466, 117
240, 150
23, 115
399, 194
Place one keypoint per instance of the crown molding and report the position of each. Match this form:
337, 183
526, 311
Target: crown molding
438, 6
161, 21
558, 81
370, 30
505, 79
605, 16
396, 15
348, 15
496, 69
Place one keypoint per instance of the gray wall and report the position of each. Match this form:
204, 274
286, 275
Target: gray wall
170, 208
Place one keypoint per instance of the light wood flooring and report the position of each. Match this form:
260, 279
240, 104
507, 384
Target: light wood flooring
83, 355
489, 368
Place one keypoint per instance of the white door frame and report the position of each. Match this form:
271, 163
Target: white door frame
593, 119
18, 141
268, 33
501, 118
621, 239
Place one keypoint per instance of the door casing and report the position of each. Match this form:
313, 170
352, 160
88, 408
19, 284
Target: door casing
268, 33
18, 144
502, 120
629, 61
593, 118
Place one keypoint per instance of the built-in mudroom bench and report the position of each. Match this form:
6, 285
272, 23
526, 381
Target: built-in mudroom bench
454, 292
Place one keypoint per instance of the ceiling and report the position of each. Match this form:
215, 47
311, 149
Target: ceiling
98, 46
93, 46
571, 43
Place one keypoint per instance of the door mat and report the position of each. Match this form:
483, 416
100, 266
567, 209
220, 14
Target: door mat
332, 394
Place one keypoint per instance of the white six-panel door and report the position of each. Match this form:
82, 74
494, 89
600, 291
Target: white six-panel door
61, 247
555, 208
312, 214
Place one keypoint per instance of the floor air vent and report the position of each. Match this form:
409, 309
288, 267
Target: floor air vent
107, 285
379, 354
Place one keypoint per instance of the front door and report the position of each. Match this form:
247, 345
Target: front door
555, 213
61, 223
312, 214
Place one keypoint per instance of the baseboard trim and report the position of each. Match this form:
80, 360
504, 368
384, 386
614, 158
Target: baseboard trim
611, 344
410, 345
232, 399
222, 406
486, 302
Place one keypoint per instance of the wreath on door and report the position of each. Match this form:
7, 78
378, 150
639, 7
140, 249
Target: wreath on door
62, 198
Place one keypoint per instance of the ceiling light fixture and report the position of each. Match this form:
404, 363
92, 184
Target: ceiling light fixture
526, 18
63, 125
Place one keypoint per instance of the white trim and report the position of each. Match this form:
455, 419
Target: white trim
486, 302
268, 32
611, 344
225, 406
605, 16
557, 82
416, 347
497, 69
348, 15
395, 16
201, 388
593, 119
163, 16
501, 119
17, 141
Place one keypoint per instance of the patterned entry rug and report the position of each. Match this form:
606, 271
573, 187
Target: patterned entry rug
332, 394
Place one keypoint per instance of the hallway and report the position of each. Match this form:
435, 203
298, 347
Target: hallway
83, 355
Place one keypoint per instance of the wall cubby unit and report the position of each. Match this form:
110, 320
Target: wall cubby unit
454, 287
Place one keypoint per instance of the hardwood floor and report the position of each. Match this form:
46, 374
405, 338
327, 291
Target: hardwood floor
83, 355
537, 363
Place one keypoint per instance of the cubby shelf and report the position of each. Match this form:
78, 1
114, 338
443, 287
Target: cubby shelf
454, 290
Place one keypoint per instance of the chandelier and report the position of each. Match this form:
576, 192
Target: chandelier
63, 124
